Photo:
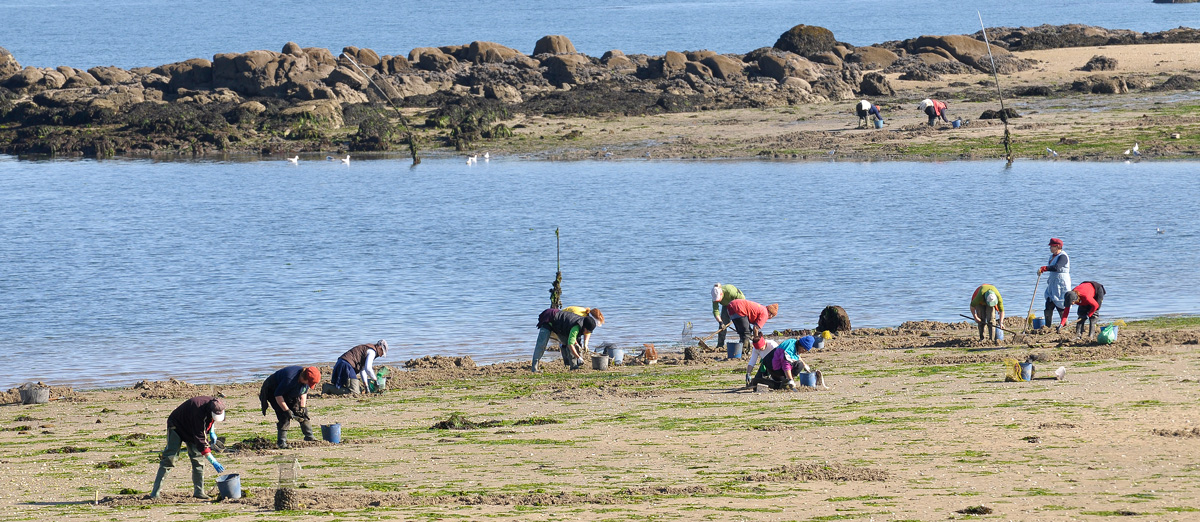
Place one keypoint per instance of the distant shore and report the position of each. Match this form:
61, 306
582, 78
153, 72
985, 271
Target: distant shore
1083, 93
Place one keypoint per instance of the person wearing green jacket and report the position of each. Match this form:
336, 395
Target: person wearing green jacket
722, 295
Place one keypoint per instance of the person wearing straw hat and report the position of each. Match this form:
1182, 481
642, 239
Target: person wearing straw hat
1058, 282
191, 424
286, 392
722, 295
355, 369
1089, 295
987, 308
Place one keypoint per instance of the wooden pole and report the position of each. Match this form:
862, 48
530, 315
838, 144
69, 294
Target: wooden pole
1003, 113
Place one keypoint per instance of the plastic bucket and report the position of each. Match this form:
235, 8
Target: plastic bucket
229, 486
878, 124
599, 362
380, 383
1027, 371
1039, 323
617, 354
999, 334
808, 379
956, 124
332, 433
733, 349
35, 395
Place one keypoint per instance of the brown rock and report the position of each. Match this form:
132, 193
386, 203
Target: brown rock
320, 55
698, 69
698, 56
875, 84
394, 64
871, 57
439, 61
24, 79
364, 57
459, 52
82, 79
724, 67
827, 58
781, 67
670, 65
414, 55
349, 77
254, 107
490, 52
806, 40
503, 92
1100, 63
8, 64
554, 44
971, 52
621, 64
293, 49
190, 74
110, 75
563, 69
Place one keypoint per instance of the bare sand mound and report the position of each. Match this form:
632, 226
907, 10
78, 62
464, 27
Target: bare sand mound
834, 471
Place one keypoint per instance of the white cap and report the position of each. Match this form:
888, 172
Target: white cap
717, 294
991, 298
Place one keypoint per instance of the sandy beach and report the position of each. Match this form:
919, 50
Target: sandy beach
918, 424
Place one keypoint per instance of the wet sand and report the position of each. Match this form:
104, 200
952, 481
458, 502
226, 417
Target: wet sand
918, 424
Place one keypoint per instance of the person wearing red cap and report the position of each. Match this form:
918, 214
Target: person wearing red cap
1058, 282
192, 424
286, 391
749, 317
1089, 295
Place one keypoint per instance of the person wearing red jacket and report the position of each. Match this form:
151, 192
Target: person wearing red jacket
934, 109
1087, 297
191, 425
749, 317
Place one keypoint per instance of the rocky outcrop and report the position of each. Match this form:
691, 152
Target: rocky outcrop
1101, 84
196, 73
969, 51
8, 64
554, 44
724, 67
871, 58
781, 66
1100, 63
806, 40
489, 52
564, 69
875, 84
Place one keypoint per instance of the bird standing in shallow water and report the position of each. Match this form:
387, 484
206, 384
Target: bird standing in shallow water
346, 160
1051, 151
295, 160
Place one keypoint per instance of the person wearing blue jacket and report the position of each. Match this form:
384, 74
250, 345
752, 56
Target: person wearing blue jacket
864, 109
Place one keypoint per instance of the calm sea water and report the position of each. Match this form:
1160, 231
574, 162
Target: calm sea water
118, 270
131, 33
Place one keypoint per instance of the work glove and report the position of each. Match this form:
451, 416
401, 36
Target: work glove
302, 414
291, 415
216, 465
1043, 269
791, 384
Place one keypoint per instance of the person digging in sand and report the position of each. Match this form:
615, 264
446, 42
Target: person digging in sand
1089, 295
747, 315
934, 109
286, 392
1057, 283
192, 424
572, 327
763, 346
864, 109
987, 308
780, 365
722, 295
355, 369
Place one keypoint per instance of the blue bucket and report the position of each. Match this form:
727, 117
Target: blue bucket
733, 349
1039, 323
229, 486
956, 123
999, 334
878, 124
1027, 371
617, 354
808, 379
332, 433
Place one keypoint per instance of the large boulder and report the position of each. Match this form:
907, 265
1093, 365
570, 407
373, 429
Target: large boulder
8, 64
26, 78
616, 61
564, 69
320, 56
670, 65
783, 66
196, 73
972, 52
349, 77
364, 57
435, 61
1100, 63
1101, 84
871, 57
698, 70
489, 52
554, 44
724, 67
875, 84
806, 40
293, 49
111, 75
393, 64
833, 88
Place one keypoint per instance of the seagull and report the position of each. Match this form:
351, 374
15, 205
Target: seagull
346, 160
473, 158
295, 160
486, 156
1160, 231
1134, 150
1051, 151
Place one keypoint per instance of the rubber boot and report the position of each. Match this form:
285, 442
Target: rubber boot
162, 472
281, 438
306, 429
534, 367
198, 482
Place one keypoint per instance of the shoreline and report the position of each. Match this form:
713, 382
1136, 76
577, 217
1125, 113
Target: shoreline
918, 423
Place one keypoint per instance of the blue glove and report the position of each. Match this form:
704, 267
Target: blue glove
212, 438
216, 465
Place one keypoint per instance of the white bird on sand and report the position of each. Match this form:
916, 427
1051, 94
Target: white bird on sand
295, 160
1051, 151
346, 160
1134, 150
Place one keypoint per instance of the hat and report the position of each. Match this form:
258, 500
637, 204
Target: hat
717, 293
1070, 298
217, 408
760, 343
772, 309
381, 348
806, 342
312, 375
990, 297
589, 323
1055, 241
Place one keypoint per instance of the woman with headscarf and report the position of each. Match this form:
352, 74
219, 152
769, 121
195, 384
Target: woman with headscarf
191, 424
1057, 283
286, 392
355, 369
573, 327
987, 308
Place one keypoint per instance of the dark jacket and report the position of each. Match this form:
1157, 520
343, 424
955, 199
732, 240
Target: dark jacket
192, 420
562, 324
357, 357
